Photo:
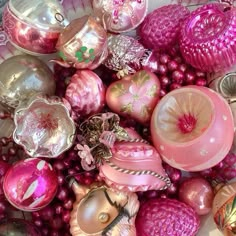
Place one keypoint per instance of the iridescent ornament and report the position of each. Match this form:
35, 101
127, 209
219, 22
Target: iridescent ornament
134, 96
99, 210
22, 77
224, 209
85, 93
30, 184
18, 227
34, 27
82, 44
192, 128
207, 38
164, 217
44, 127
120, 15
160, 28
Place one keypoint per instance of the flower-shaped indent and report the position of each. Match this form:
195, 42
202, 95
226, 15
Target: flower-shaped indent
44, 127
184, 116
228, 85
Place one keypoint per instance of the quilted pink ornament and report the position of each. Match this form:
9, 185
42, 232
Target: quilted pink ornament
207, 38
160, 28
164, 217
134, 166
134, 96
85, 93
30, 184
192, 128
120, 15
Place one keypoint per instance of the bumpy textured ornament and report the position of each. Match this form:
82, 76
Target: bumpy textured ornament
100, 210
224, 209
120, 15
22, 77
207, 38
30, 184
160, 28
85, 93
82, 44
164, 217
192, 128
44, 127
128, 55
134, 96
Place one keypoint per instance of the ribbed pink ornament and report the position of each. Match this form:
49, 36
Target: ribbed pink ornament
166, 217
160, 28
207, 39
85, 93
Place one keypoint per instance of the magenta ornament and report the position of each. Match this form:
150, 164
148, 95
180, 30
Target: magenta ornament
207, 38
30, 184
85, 93
120, 15
164, 217
44, 127
192, 122
160, 28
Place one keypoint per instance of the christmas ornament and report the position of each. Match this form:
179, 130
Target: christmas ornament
18, 227
22, 77
224, 209
166, 217
82, 44
2, 5
134, 96
100, 210
184, 125
44, 127
34, 27
85, 93
127, 55
120, 16
207, 38
197, 193
30, 184
160, 28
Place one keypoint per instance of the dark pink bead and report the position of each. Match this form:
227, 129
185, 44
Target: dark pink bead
175, 86
164, 58
201, 82
173, 65
163, 69
164, 80
178, 76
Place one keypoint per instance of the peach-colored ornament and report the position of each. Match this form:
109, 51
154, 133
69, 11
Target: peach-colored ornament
134, 96
224, 209
192, 128
99, 210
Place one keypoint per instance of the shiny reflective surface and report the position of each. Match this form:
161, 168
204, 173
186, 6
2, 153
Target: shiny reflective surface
44, 127
22, 77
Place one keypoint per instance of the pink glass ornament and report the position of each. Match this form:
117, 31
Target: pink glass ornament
207, 38
34, 27
127, 54
99, 210
197, 193
160, 28
85, 93
30, 184
82, 44
134, 166
44, 127
120, 15
134, 96
192, 128
164, 217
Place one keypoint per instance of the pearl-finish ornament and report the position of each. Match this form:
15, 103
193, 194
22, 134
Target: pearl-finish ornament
224, 209
192, 122
30, 184
22, 77
164, 217
134, 96
85, 93
99, 210
120, 16
197, 193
